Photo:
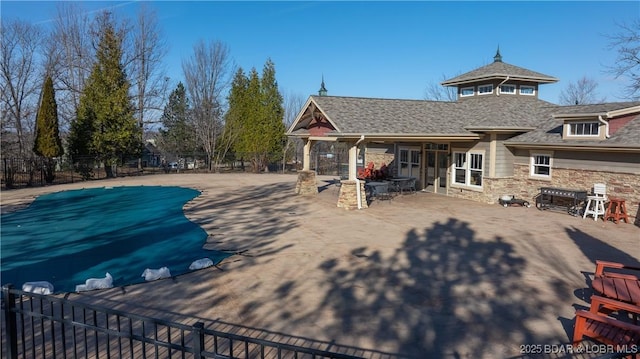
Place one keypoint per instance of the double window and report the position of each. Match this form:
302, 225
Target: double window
584, 129
468, 168
541, 165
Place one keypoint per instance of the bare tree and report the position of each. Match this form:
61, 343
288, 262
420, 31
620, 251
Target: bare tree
436, 92
20, 81
71, 57
145, 65
207, 77
627, 44
582, 92
292, 105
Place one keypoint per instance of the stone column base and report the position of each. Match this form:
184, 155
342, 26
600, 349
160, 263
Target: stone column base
306, 184
348, 197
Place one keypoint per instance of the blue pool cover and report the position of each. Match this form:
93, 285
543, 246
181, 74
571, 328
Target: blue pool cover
66, 237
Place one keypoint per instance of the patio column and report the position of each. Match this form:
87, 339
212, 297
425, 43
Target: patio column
306, 157
353, 162
352, 194
306, 183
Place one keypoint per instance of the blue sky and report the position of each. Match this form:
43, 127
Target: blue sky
385, 49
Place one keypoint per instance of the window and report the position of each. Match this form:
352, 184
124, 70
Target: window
467, 91
459, 167
541, 165
527, 90
584, 129
468, 168
508, 89
485, 89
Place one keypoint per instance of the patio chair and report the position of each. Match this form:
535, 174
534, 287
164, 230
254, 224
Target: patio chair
605, 329
623, 284
595, 203
381, 192
408, 185
602, 305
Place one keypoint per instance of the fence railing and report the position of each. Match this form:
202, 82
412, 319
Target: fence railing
43, 326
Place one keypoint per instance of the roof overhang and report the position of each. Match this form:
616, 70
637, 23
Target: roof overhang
605, 114
547, 80
392, 137
576, 147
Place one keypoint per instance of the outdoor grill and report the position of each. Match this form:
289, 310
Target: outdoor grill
561, 198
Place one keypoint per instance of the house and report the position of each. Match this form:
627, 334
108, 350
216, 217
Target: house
497, 138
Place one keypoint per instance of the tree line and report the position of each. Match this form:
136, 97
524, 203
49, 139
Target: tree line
93, 88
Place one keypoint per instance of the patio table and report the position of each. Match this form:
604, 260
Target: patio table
401, 184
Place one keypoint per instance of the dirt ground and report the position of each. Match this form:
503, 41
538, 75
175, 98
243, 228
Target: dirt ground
422, 275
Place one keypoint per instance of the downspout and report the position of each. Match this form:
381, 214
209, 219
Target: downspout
502, 83
606, 126
358, 191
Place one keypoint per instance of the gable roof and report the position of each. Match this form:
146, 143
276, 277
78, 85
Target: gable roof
499, 70
549, 132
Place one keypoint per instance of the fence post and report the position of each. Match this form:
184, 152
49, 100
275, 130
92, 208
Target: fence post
198, 340
10, 321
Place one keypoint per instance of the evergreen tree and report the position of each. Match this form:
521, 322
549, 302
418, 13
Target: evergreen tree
47, 142
235, 114
105, 127
178, 135
272, 114
256, 112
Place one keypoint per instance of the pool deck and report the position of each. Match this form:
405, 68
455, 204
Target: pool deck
422, 275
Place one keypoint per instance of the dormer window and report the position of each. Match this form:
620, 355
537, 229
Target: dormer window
485, 89
508, 89
527, 90
584, 129
466, 91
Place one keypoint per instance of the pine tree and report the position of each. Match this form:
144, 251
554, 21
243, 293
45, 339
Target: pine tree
47, 142
178, 135
105, 127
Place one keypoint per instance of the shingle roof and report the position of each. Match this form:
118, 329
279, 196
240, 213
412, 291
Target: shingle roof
392, 116
549, 132
594, 108
395, 117
500, 70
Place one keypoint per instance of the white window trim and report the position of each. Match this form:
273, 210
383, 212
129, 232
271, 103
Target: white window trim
568, 129
533, 90
515, 89
532, 165
485, 93
467, 88
467, 170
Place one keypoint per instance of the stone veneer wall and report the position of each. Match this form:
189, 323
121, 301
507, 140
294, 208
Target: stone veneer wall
348, 197
306, 183
620, 185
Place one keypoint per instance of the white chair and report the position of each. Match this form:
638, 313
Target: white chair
595, 203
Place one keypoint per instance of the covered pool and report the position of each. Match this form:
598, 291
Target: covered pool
69, 236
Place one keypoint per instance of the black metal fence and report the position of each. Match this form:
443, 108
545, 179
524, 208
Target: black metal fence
42, 326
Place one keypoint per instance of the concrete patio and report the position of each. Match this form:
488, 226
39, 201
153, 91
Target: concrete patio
422, 275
